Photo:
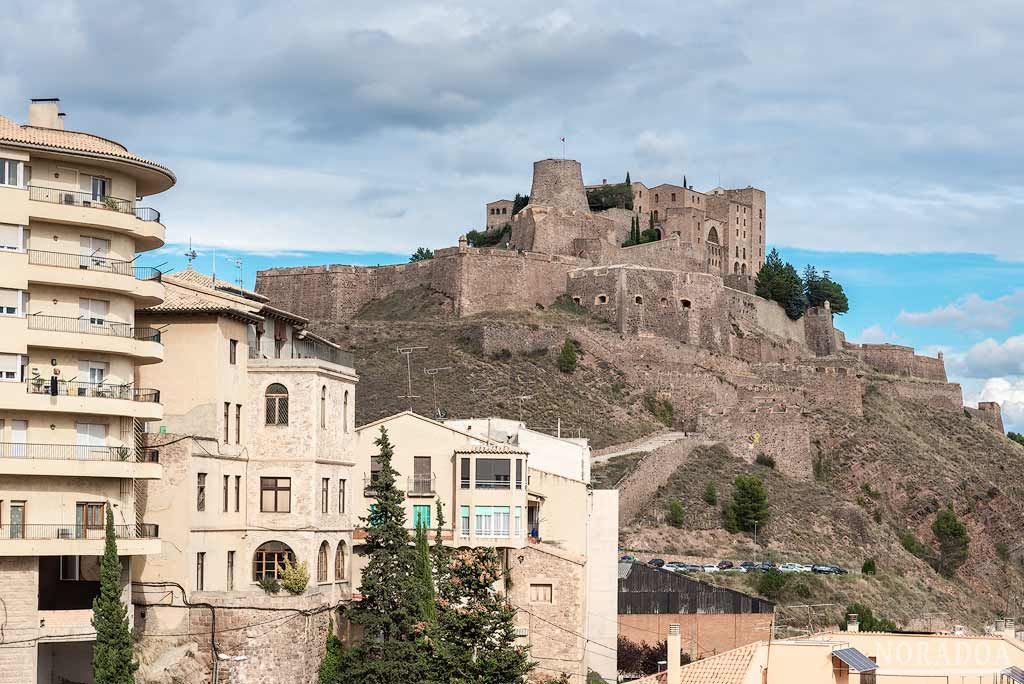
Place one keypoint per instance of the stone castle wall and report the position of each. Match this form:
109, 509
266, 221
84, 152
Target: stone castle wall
558, 183
990, 413
894, 359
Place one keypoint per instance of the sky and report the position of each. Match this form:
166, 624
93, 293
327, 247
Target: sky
888, 136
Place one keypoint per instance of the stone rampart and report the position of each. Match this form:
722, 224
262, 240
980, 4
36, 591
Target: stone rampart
637, 489
894, 359
990, 413
509, 337
558, 183
772, 428
939, 395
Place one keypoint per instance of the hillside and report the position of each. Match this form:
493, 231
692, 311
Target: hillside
876, 477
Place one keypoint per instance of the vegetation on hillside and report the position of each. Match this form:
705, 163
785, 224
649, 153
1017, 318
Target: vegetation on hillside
867, 620
567, 357
638, 236
661, 409
519, 203
421, 254
1016, 437
606, 474
779, 281
643, 658
748, 509
489, 238
611, 196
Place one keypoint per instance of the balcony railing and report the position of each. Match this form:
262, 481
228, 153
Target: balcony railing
420, 484
91, 326
85, 262
70, 388
76, 452
76, 531
310, 349
88, 199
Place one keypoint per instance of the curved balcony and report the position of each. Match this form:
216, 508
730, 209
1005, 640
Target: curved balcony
74, 460
62, 396
104, 274
64, 332
108, 213
74, 539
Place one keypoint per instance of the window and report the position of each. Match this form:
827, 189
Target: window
70, 567
464, 473
238, 423
686, 303
422, 482
227, 479
277, 404
100, 187
713, 235
321, 563
16, 521
231, 571
339, 562
269, 560
492, 521
227, 422
519, 473
519, 522
233, 352
540, 593
94, 372
325, 485
638, 299
94, 311
601, 299
421, 515
93, 252
374, 469
10, 367
655, 198
673, 197
238, 487
10, 238
10, 301
9, 172
201, 492
464, 517
493, 473
200, 570
275, 494
344, 414
341, 496
323, 406
91, 515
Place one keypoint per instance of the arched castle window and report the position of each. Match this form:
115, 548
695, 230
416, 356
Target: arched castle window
269, 559
639, 299
601, 299
736, 267
339, 562
713, 235
686, 303
323, 406
743, 269
277, 404
321, 563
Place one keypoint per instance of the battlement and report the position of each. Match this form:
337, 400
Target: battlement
895, 359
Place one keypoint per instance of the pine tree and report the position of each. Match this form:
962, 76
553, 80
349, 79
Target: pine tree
112, 653
567, 357
833, 292
953, 542
749, 503
684, 181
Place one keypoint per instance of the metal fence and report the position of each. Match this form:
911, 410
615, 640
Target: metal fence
91, 326
311, 349
76, 452
88, 199
66, 388
421, 484
86, 262
76, 531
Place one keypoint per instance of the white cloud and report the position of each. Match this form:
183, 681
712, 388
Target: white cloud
990, 358
875, 334
1010, 394
971, 312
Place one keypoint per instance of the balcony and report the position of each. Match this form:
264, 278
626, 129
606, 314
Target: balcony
98, 264
88, 199
420, 485
70, 460
91, 334
309, 349
73, 539
71, 388
89, 326
62, 396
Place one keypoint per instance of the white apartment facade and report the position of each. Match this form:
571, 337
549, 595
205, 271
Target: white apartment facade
71, 407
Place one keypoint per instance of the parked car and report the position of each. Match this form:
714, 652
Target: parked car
656, 563
822, 569
791, 567
748, 565
766, 566
840, 570
724, 565
627, 558
674, 565
737, 568
690, 567
709, 568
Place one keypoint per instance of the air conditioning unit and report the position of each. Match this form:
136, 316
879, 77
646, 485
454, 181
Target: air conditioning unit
522, 631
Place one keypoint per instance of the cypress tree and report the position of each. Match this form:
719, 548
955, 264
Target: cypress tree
112, 654
425, 596
627, 179
650, 221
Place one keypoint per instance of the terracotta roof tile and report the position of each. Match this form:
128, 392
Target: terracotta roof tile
729, 667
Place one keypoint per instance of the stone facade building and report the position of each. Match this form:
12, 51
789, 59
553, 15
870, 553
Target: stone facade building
499, 212
72, 223
256, 443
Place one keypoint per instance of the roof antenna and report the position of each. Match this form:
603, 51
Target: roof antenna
237, 261
191, 253
215, 268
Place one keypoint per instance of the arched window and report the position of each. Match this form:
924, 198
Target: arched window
277, 404
269, 559
344, 414
686, 303
323, 406
639, 299
736, 267
743, 269
321, 563
339, 562
713, 235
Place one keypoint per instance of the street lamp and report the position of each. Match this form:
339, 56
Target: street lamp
755, 535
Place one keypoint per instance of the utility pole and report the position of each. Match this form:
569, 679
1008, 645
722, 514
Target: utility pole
407, 351
432, 372
522, 398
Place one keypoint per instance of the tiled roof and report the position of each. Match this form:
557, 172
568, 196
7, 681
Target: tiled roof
729, 667
72, 141
194, 277
179, 299
492, 449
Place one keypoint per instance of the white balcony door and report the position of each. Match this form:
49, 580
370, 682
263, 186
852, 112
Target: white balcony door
93, 311
19, 438
10, 238
91, 437
10, 367
94, 372
10, 302
94, 252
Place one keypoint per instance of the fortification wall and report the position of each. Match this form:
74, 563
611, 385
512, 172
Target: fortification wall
552, 230
672, 253
517, 339
990, 413
938, 395
894, 359
558, 183
638, 488
771, 428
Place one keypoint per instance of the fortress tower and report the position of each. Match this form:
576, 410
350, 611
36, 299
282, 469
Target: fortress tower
558, 183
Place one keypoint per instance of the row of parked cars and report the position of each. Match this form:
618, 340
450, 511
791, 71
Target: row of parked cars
744, 566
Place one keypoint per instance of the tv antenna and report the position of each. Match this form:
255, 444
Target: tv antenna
521, 398
432, 372
237, 261
191, 254
407, 351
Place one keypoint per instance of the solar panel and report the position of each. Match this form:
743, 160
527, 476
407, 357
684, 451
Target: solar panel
857, 661
1014, 674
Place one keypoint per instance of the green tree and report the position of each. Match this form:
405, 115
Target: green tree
422, 254
627, 180
819, 289
869, 567
675, 513
953, 542
710, 494
112, 661
390, 611
519, 203
424, 575
866, 618
780, 282
749, 505
567, 358
1016, 437
332, 658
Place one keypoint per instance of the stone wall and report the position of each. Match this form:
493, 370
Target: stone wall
518, 339
772, 428
637, 489
894, 359
19, 589
939, 395
558, 183
702, 634
990, 413
819, 332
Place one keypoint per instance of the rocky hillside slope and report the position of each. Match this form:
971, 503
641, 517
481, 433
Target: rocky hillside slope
877, 478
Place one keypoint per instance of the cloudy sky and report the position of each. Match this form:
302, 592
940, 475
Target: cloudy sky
888, 136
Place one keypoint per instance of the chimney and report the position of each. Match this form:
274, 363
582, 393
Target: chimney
852, 622
45, 113
672, 653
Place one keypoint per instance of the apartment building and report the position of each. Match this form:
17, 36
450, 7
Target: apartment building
72, 223
256, 444
523, 493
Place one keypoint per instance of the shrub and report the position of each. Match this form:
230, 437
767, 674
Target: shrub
770, 584
867, 619
953, 542
710, 494
489, 238
913, 545
422, 254
765, 460
567, 357
566, 304
675, 513
294, 576
613, 196
661, 409
269, 584
1003, 551
1016, 437
869, 567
